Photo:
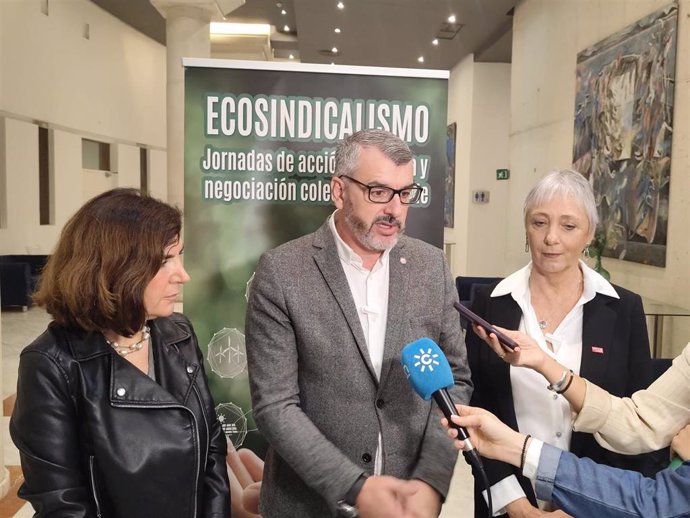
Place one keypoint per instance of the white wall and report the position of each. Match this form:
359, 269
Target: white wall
127, 164
547, 35
67, 176
110, 87
479, 102
21, 154
460, 92
112, 84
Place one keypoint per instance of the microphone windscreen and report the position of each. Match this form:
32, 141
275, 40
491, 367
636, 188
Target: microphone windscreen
426, 367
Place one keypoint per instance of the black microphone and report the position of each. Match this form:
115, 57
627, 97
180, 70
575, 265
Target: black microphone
429, 373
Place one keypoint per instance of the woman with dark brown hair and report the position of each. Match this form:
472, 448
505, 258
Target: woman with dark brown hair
113, 416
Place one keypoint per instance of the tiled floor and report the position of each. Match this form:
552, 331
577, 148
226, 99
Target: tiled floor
20, 328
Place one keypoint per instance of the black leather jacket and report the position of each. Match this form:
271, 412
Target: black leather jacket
98, 438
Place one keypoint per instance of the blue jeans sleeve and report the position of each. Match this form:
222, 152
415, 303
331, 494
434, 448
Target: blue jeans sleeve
582, 487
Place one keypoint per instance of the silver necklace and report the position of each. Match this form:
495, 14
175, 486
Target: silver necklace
544, 323
124, 350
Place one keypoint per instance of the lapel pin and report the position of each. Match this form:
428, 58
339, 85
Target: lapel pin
597, 349
403, 260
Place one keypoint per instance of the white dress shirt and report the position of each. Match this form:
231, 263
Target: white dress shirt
369, 290
539, 411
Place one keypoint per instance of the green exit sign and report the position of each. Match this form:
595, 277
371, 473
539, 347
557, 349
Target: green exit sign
502, 174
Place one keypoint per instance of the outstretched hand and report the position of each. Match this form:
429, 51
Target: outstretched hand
681, 443
245, 471
489, 435
527, 354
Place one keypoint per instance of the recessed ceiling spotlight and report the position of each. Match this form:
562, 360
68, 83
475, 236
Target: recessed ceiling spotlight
279, 4
286, 28
337, 30
434, 41
291, 56
420, 59
340, 5
334, 50
451, 18
283, 12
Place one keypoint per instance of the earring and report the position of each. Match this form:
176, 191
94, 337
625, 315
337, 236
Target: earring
585, 252
526, 245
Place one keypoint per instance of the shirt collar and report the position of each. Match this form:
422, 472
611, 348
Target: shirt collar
595, 283
517, 284
346, 253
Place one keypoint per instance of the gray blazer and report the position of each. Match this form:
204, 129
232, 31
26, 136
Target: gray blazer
315, 395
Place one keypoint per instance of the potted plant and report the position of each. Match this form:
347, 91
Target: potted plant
595, 249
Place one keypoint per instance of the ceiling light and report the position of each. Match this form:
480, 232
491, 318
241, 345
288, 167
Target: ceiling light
279, 4
451, 18
337, 30
286, 28
434, 41
334, 50
340, 5
420, 59
291, 56
283, 12
240, 29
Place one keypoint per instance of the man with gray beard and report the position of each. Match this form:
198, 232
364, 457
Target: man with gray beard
328, 316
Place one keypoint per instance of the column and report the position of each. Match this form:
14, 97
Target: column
187, 35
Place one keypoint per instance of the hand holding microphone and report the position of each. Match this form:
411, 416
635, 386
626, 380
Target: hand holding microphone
492, 438
429, 373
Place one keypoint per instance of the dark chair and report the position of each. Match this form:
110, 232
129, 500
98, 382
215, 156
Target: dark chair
466, 287
465, 284
19, 275
15, 282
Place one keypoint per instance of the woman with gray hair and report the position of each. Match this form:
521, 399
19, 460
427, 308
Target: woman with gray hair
595, 329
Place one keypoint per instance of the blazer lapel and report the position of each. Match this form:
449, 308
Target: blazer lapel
506, 313
328, 263
598, 324
397, 310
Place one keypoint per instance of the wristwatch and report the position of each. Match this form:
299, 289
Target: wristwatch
346, 510
347, 507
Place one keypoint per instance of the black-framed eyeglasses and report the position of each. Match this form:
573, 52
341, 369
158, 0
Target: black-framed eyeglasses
383, 194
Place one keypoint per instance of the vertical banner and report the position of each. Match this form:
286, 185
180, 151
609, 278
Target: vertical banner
259, 144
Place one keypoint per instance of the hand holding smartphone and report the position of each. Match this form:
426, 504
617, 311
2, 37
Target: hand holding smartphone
506, 342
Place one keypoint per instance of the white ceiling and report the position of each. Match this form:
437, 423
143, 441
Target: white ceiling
390, 33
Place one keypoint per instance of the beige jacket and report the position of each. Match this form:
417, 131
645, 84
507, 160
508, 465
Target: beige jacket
646, 421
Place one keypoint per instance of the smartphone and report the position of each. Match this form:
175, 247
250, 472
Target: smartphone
507, 342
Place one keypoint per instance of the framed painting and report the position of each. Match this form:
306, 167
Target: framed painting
449, 182
623, 129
